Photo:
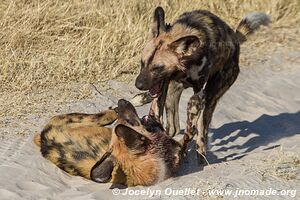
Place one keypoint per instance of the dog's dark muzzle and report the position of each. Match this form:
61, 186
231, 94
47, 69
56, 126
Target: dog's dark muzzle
142, 82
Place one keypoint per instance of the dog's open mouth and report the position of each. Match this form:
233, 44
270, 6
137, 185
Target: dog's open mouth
155, 90
152, 93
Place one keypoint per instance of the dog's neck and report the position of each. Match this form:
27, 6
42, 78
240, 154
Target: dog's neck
143, 169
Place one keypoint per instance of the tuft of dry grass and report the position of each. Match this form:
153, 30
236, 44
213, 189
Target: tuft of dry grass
50, 43
282, 166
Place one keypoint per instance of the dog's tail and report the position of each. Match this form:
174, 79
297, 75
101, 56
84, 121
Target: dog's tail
251, 23
37, 140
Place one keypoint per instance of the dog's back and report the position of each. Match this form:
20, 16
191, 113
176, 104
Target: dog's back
218, 41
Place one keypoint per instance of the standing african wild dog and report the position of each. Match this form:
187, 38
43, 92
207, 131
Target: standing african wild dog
200, 51
133, 152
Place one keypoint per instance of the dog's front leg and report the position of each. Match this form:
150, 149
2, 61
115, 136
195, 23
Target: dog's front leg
172, 108
194, 108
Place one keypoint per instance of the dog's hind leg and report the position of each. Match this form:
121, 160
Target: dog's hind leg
216, 86
103, 118
172, 107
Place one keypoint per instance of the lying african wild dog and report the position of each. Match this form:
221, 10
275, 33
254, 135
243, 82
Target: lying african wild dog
200, 51
133, 152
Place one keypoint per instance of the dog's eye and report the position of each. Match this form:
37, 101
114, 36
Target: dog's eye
158, 67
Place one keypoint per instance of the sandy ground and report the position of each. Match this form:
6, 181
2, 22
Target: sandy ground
254, 143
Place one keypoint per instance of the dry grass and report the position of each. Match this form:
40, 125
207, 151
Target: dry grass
282, 166
46, 43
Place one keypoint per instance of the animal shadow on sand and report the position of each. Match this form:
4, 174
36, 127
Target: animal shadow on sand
264, 130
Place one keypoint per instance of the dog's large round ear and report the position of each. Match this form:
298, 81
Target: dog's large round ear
132, 139
158, 25
101, 172
127, 113
186, 45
